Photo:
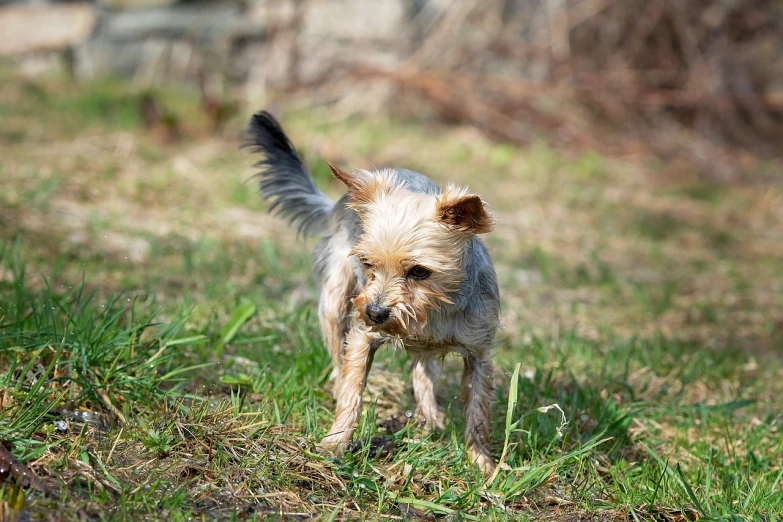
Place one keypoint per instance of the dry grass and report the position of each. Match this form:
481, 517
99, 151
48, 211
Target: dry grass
647, 304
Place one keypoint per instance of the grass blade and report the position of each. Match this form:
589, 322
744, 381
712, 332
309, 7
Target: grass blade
690, 492
241, 315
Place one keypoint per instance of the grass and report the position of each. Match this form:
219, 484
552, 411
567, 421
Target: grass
160, 355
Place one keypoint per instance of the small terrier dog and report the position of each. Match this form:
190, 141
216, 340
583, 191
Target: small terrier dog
399, 261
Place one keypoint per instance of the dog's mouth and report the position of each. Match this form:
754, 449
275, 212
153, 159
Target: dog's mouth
401, 323
392, 329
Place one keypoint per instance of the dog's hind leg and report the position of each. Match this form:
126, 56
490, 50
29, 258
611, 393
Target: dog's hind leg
477, 387
423, 376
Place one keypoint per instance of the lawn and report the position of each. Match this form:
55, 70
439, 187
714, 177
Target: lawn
160, 356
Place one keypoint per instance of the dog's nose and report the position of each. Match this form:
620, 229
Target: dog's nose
376, 313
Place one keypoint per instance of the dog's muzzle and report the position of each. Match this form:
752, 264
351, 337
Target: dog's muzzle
377, 314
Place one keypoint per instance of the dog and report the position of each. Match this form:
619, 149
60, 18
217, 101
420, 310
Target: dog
399, 261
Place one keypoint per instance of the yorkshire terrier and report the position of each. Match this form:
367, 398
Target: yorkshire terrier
400, 260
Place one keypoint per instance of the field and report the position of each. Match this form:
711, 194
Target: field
160, 356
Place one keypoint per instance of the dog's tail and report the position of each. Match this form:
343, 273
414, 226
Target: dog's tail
284, 178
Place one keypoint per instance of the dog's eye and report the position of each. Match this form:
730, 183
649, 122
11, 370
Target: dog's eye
419, 272
366, 264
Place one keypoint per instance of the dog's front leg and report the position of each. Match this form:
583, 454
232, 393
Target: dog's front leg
477, 387
360, 347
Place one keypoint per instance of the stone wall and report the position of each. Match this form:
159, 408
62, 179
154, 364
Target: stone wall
272, 44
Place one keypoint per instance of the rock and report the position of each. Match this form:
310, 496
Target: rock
355, 19
27, 28
210, 22
167, 42
136, 4
257, 45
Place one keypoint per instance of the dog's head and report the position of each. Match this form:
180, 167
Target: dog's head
412, 248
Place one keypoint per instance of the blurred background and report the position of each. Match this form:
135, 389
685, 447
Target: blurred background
631, 149
696, 81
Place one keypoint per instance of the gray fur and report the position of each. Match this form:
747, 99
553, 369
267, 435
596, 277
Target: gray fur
417, 182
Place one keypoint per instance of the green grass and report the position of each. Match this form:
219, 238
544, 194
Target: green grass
160, 356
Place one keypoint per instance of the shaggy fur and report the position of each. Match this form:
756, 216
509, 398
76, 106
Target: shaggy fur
399, 261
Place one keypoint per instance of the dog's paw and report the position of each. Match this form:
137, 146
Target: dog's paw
434, 424
324, 451
333, 444
483, 461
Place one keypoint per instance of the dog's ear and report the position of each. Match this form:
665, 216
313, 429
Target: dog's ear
352, 180
465, 213
363, 186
